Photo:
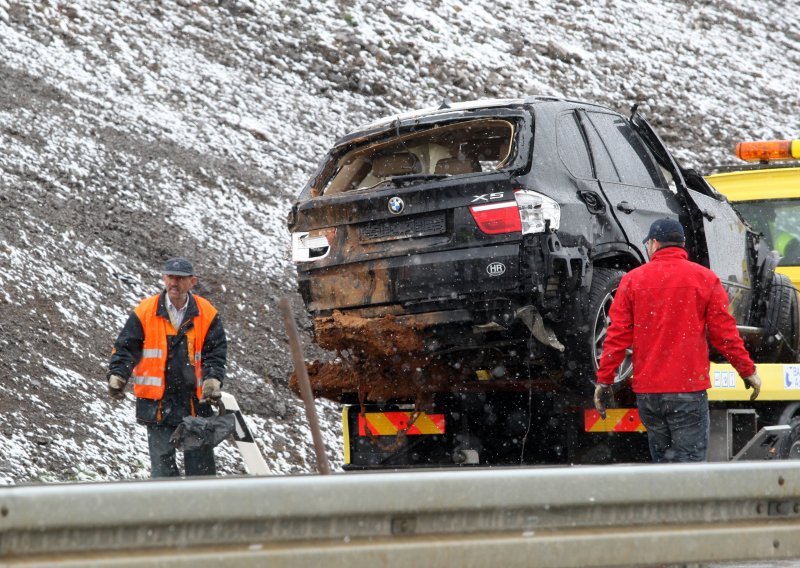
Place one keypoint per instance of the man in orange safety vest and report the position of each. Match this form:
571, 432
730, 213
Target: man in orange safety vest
174, 347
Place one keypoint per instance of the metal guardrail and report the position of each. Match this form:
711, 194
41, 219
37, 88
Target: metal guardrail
548, 517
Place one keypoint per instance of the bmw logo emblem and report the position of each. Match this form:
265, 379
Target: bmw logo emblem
396, 205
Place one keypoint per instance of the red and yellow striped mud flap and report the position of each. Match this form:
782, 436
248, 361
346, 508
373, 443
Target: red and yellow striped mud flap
390, 423
617, 420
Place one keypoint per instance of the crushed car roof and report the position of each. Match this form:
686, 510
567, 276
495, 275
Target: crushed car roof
445, 108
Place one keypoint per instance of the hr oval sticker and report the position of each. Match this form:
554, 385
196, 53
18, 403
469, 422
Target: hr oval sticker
496, 269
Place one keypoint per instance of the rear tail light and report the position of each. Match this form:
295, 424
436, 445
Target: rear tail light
313, 245
528, 213
535, 210
768, 150
497, 218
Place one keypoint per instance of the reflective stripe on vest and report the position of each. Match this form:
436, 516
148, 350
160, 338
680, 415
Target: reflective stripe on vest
151, 381
198, 365
149, 374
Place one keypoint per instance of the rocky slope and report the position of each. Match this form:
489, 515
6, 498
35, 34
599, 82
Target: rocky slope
131, 133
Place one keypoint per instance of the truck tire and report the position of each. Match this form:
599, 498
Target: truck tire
586, 347
789, 448
781, 322
789, 413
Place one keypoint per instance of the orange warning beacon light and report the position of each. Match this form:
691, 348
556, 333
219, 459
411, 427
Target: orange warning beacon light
768, 150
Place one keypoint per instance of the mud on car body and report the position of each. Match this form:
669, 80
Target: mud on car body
498, 231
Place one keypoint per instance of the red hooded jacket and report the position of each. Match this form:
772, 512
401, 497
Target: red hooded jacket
665, 309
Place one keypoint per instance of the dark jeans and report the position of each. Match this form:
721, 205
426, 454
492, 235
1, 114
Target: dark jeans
677, 425
162, 455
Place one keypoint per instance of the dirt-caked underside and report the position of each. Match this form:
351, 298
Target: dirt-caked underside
378, 359
381, 337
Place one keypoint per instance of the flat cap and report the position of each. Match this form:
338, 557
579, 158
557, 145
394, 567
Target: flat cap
178, 266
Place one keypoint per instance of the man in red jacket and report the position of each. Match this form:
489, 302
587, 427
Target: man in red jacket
664, 310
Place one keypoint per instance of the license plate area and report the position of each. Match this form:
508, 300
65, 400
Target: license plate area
403, 228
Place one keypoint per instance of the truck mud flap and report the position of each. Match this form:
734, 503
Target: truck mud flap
393, 423
381, 438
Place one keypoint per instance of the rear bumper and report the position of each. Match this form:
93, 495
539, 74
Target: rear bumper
425, 277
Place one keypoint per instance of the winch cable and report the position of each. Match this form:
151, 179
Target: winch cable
530, 411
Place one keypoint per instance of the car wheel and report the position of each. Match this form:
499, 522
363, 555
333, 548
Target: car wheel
588, 345
782, 322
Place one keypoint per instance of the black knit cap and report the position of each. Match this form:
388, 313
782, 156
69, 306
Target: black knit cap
178, 266
666, 231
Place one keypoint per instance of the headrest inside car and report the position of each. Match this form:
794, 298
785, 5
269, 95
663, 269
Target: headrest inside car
396, 165
455, 166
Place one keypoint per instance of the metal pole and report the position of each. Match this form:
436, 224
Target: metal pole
305, 385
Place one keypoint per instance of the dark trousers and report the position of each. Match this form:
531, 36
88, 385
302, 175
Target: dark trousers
162, 455
677, 425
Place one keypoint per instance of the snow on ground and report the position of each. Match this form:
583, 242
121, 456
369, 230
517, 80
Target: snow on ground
131, 133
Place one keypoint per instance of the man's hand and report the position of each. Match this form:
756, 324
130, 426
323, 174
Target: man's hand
753, 381
212, 391
601, 393
116, 387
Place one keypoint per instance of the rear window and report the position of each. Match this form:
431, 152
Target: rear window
779, 221
454, 149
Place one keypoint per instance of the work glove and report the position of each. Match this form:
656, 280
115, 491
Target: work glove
753, 381
212, 391
116, 387
601, 394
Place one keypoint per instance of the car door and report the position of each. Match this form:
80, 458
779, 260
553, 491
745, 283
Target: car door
725, 248
629, 177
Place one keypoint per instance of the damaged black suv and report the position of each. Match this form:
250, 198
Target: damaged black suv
502, 229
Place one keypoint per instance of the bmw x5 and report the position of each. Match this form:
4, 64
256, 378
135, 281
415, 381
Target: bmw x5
498, 231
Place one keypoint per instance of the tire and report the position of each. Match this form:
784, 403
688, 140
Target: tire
789, 413
781, 322
586, 345
789, 447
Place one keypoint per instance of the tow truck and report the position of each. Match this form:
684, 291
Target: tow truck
766, 192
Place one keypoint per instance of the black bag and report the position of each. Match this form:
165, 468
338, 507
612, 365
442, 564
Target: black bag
197, 432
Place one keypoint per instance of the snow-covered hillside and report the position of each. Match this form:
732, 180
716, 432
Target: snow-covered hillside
131, 132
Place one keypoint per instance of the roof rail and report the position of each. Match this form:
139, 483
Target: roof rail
537, 98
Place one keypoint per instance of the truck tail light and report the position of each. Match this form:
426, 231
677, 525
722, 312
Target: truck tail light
768, 150
313, 245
